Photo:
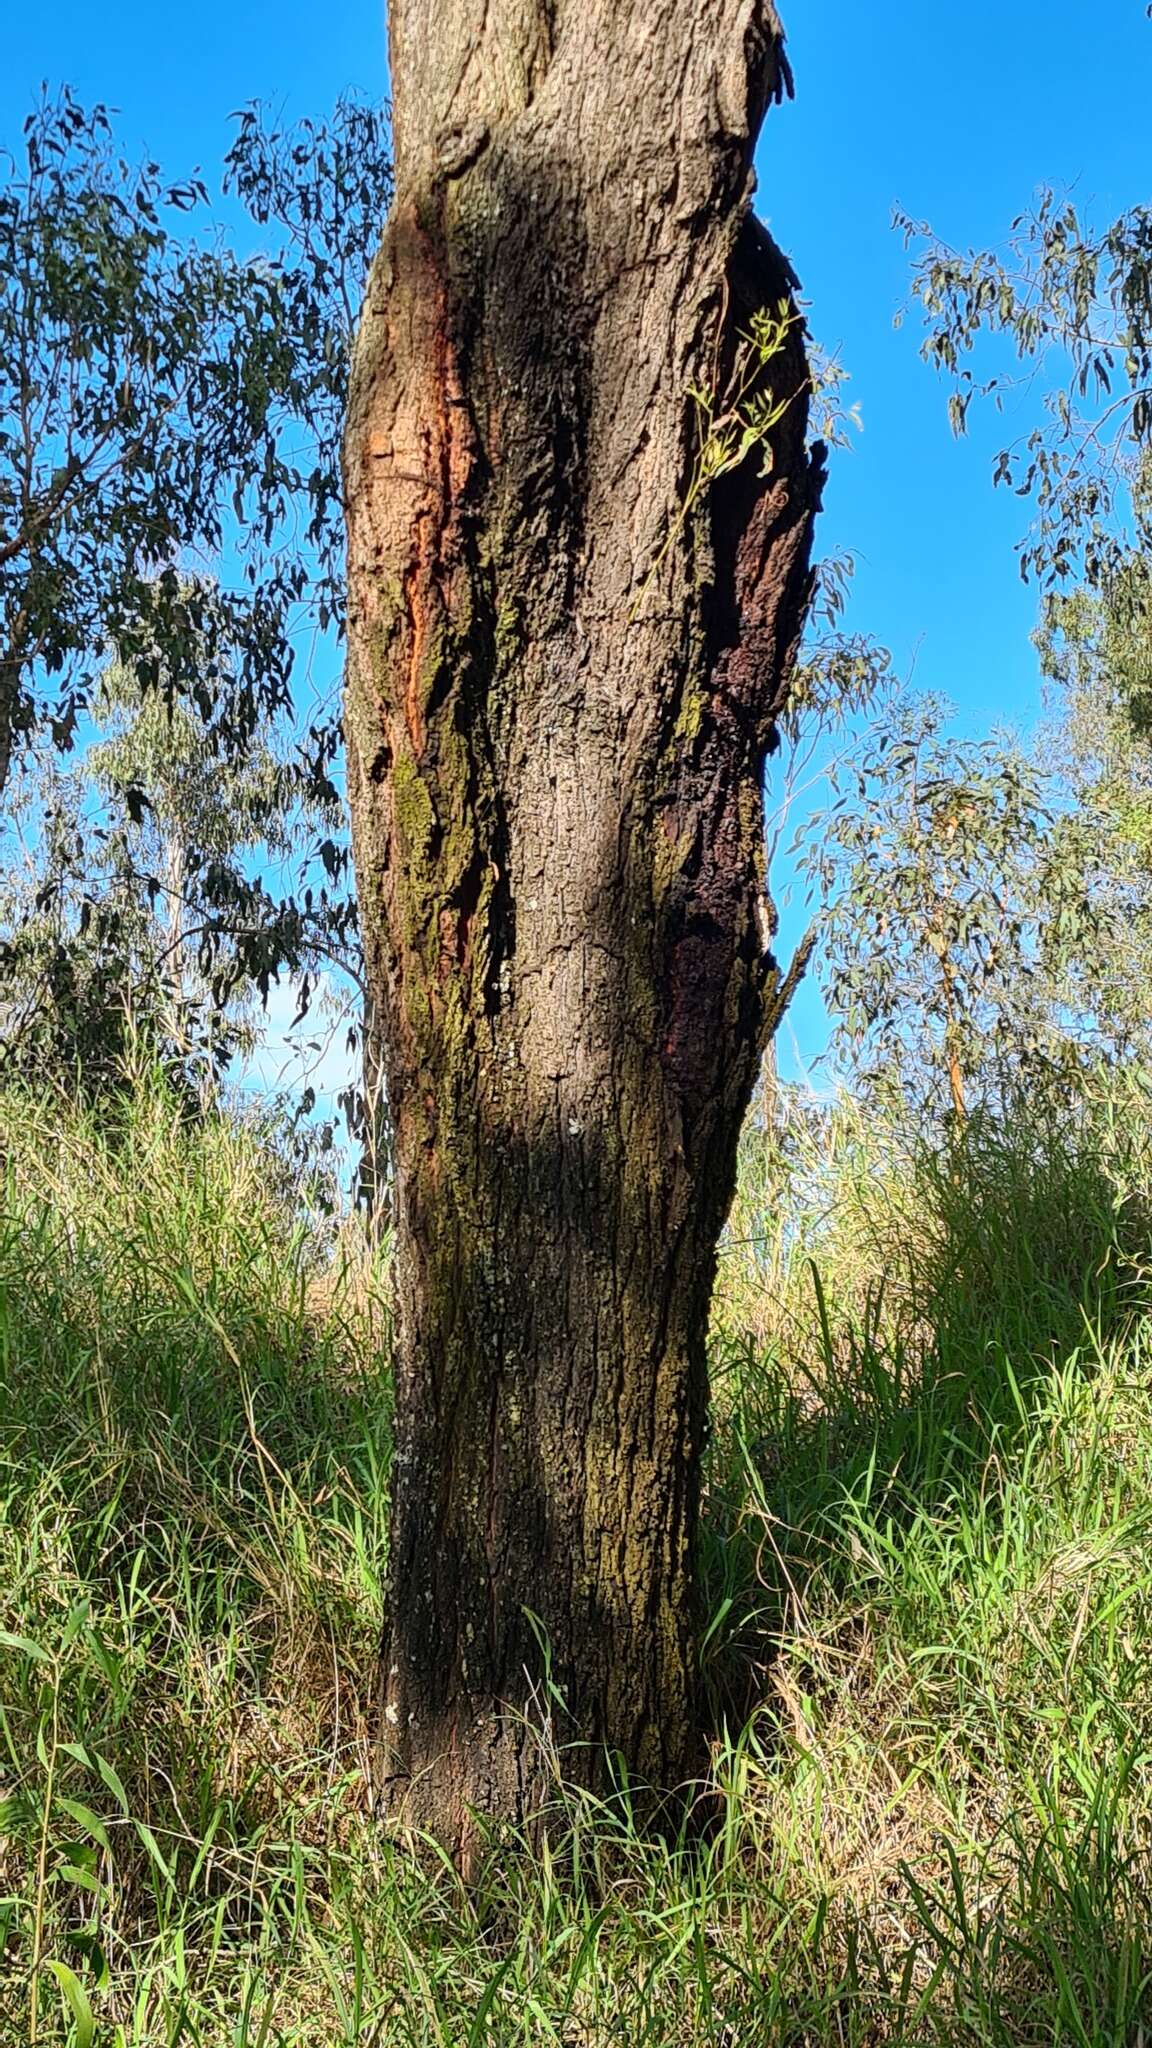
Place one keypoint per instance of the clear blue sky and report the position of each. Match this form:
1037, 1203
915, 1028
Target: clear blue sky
955, 114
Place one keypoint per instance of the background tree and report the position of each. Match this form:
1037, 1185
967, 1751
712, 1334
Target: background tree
142, 381
957, 912
323, 188
78, 948
170, 500
1096, 653
1074, 306
135, 910
580, 507
985, 921
838, 679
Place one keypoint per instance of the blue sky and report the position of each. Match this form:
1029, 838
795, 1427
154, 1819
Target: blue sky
956, 115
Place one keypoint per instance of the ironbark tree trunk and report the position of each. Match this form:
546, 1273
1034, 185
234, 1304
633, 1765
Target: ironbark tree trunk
565, 668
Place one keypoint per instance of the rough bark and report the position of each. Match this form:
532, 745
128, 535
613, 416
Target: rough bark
561, 695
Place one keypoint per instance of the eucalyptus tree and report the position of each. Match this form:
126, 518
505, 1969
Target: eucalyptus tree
144, 377
131, 908
963, 909
580, 501
1067, 307
170, 412
1062, 310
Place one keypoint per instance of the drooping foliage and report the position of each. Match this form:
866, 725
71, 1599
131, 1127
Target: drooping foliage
955, 909
149, 874
1072, 306
169, 509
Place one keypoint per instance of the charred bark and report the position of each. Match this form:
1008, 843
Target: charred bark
562, 692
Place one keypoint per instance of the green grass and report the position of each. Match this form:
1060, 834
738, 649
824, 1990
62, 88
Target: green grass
929, 1548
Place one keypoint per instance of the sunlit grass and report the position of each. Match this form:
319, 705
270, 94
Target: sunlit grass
929, 1556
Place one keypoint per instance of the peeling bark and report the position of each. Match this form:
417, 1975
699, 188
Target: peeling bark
561, 697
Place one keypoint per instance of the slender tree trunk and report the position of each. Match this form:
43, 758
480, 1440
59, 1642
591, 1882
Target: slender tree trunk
565, 670
374, 1174
11, 676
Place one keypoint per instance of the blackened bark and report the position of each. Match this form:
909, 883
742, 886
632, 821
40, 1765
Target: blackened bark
562, 691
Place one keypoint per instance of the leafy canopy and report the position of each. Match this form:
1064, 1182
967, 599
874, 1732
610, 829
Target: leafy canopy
170, 415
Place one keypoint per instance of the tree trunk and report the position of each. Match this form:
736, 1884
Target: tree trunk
374, 1172
566, 661
11, 722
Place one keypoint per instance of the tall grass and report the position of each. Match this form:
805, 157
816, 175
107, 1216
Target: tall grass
930, 1573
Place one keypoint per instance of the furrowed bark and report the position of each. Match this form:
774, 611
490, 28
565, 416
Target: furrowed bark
563, 683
